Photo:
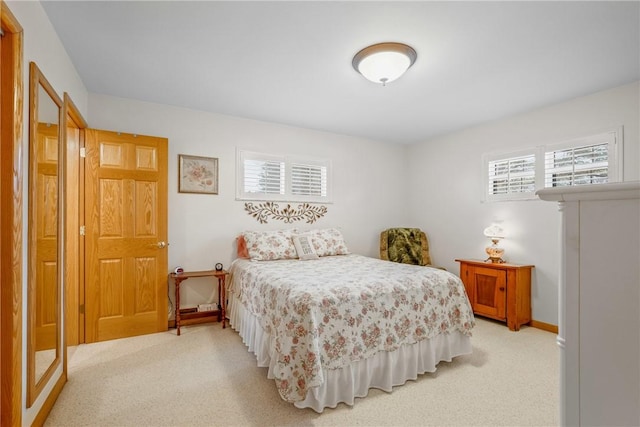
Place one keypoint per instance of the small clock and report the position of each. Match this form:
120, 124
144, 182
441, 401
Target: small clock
218, 267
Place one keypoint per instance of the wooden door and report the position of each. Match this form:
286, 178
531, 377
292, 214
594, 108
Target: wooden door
489, 292
125, 235
45, 217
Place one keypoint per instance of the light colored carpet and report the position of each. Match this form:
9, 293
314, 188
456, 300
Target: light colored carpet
206, 376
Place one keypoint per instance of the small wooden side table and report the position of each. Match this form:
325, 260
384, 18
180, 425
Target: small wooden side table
499, 291
191, 314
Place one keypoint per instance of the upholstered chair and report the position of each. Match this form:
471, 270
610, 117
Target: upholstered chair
405, 245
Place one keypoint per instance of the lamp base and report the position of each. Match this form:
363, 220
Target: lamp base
495, 255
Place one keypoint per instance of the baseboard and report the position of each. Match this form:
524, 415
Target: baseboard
544, 326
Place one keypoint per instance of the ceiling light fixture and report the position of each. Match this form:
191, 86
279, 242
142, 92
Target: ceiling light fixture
384, 62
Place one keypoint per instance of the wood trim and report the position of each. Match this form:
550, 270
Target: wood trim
35, 386
43, 413
11, 180
544, 326
72, 128
73, 112
81, 254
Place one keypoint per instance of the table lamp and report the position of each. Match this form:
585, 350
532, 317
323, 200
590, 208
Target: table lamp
495, 233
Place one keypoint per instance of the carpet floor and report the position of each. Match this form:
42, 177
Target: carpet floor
207, 377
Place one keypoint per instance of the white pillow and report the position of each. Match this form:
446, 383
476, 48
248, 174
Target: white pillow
304, 247
270, 245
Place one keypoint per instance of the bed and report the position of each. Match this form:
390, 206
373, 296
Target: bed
333, 325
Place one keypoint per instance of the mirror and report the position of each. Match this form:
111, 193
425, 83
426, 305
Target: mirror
44, 295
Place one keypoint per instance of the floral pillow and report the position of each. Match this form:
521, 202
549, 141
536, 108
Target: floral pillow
328, 241
270, 245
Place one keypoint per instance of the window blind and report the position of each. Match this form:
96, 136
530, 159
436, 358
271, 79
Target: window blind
512, 175
308, 180
592, 159
264, 176
577, 165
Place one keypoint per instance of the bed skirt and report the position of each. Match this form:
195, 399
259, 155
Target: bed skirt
382, 371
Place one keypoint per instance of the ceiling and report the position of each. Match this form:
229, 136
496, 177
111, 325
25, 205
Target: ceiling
290, 62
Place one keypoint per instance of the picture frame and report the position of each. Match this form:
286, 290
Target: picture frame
197, 174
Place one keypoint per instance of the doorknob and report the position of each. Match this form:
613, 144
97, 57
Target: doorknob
162, 245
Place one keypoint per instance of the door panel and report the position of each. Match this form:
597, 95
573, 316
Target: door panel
490, 292
126, 217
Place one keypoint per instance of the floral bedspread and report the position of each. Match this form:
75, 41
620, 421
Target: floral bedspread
339, 309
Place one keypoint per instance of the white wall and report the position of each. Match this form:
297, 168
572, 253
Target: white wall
368, 181
42, 46
453, 214
378, 185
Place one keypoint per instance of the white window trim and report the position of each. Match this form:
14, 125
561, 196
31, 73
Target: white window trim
288, 160
615, 162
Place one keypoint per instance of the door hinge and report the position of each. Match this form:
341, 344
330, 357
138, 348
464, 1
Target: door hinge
82, 230
81, 309
83, 152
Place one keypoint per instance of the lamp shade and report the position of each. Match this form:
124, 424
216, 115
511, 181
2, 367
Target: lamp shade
494, 232
384, 62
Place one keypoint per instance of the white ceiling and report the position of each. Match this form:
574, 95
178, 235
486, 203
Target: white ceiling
290, 62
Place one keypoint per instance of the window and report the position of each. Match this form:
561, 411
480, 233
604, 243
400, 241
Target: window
263, 176
512, 175
269, 177
308, 180
590, 160
580, 162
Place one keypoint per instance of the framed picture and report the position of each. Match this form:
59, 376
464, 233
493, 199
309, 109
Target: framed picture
197, 174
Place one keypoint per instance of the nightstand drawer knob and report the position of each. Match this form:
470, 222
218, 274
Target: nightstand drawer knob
501, 289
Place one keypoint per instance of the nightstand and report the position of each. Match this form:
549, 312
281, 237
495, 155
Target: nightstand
499, 291
189, 316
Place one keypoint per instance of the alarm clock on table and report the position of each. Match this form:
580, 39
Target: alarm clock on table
219, 266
